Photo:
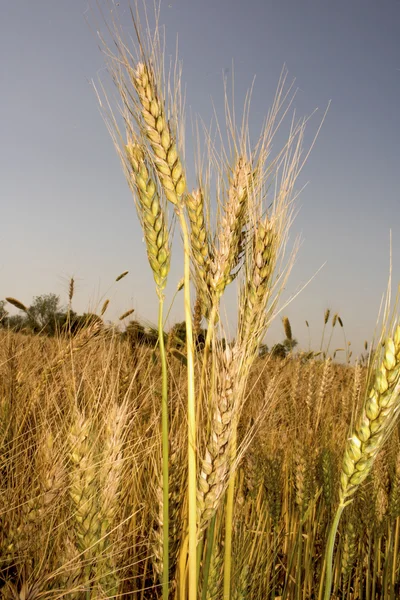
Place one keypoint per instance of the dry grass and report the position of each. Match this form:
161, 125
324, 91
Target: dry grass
79, 478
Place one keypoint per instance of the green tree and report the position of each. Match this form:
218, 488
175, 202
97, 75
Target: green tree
44, 314
283, 349
290, 344
80, 322
3, 314
262, 350
279, 351
178, 333
17, 322
134, 333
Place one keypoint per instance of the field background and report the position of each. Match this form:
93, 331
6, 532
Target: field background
80, 478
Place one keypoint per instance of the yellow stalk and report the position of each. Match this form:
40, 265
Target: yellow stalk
191, 416
229, 521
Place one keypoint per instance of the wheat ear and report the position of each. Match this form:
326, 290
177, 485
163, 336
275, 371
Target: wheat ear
151, 215
83, 492
376, 422
378, 417
201, 251
226, 256
214, 471
259, 281
166, 158
110, 480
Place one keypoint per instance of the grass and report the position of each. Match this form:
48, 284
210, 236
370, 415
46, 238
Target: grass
127, 472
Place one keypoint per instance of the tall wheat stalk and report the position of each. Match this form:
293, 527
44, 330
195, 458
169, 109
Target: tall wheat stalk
139, 84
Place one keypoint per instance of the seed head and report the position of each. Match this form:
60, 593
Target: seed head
104, 307
122, 275
71, 289
126, 314
17, 304
287, 328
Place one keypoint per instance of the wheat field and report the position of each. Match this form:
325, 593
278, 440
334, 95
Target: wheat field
81, 477
199, 471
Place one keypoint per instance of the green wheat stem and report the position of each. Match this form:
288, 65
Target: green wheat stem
165, 450
329, 550
191, 416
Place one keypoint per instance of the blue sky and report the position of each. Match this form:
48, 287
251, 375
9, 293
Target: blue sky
66, 209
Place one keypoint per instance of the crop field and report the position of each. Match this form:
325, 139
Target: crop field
198, 466
82, 488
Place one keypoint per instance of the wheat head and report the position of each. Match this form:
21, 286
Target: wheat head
376, 422
166, 159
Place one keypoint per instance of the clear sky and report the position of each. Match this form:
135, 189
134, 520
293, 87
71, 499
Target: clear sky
66, 209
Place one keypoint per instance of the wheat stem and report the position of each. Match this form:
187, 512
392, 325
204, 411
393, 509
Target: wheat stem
165, 450
230, 497
191, 415
329, 551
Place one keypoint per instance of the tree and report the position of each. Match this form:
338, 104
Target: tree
3, 314
80, 322
262, 350
178, 336
135, 333
44, 313
17, 322
279, 351
290, 344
